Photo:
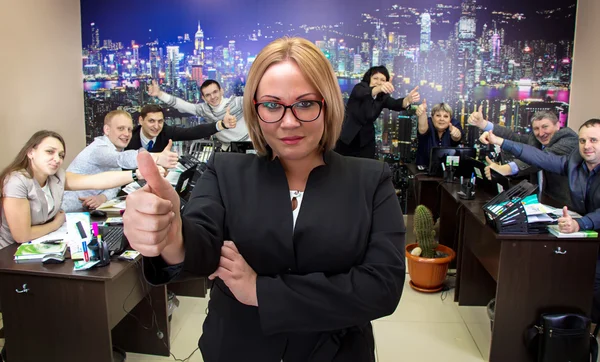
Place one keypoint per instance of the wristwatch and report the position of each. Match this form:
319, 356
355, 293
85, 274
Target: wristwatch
134, 176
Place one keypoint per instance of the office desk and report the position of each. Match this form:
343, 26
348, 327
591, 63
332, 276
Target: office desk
427, 189
527, 274
78, 316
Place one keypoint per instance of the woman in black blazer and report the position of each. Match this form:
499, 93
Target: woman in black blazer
367, 100
305, 246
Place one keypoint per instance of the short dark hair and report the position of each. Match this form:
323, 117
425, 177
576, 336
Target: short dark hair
374, 70
539, 115
590, 123
150, 108
207, 83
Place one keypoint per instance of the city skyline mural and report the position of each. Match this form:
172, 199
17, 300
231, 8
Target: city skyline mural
512, 57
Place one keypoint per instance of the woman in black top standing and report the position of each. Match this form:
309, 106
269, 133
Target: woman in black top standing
305, 246
367, 100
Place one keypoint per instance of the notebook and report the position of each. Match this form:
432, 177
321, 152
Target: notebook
579, 234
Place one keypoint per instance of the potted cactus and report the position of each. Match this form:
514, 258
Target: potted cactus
427, 260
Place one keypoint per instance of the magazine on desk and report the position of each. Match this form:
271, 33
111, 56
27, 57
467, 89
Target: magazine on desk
553, 229
36, 252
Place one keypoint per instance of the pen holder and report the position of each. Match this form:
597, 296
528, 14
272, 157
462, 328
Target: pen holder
449, 174
467, 191
103, 255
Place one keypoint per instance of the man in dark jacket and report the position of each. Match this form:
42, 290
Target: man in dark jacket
581, 169
153, 134
547, 136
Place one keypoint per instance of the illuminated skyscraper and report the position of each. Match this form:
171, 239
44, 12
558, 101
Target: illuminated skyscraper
95, 37
172, 65
154, 63
199, 43
425, 32
467, 47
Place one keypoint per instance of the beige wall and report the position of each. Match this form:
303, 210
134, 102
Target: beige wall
40, 71
585, 82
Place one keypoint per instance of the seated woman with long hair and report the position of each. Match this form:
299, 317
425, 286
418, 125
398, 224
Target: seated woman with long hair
33, 185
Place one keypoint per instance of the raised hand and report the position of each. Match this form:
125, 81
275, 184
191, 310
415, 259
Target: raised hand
154, 89
422, 108
229, 120
152, 221
167, 158
235, 272
566, 224
490, 165
412, 97
454, 132
489, 138
476, 119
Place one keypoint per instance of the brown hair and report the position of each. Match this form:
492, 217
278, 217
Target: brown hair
22, 162
315, 67
112, 114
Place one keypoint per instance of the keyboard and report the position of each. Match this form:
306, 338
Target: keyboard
113, 237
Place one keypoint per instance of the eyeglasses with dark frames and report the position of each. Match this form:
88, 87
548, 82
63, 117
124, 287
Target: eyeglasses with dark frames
304, 111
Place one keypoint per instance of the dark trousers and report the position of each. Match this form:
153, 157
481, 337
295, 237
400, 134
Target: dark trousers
354, 149
596, 304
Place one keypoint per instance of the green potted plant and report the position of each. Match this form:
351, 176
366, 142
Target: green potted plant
427, 260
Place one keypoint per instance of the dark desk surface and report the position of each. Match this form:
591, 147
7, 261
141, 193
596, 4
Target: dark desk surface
64, 270
422, 175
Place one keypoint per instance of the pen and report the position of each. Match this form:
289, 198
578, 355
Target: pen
443, 167
86, 256
95, 228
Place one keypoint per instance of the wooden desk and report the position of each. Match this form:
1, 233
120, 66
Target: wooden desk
78, 316
527, 274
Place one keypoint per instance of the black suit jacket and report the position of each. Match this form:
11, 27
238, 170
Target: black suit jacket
361, 112
173, 133
320, 284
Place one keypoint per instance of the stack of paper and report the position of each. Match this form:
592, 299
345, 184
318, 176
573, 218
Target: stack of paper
37, 251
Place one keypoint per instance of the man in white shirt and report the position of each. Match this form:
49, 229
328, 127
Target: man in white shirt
106, 154
215, 109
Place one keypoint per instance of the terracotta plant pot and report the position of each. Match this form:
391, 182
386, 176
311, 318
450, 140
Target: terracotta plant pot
428, 274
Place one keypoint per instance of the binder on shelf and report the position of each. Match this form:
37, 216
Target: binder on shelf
506, 213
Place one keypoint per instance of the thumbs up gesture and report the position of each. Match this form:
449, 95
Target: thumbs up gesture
422, 108
566, 224
167, 158
412, 97
476, 119
454, 132
152, 221
489, 138
154, 89
229, 121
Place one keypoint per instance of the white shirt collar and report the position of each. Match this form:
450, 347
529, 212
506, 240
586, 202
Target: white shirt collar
144, 139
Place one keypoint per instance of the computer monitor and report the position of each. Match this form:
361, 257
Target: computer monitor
477, 168
242, 147
438, 156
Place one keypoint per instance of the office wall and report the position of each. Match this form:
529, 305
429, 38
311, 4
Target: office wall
586, 64
40, 73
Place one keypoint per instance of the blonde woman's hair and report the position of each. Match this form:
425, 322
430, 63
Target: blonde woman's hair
319, 73
441, 107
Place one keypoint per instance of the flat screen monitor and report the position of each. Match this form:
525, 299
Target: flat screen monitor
438, 156
496, 185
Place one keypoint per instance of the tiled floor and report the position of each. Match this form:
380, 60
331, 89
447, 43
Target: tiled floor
423, 328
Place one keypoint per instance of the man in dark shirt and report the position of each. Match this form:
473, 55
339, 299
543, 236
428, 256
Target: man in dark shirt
153, 135
582, 170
